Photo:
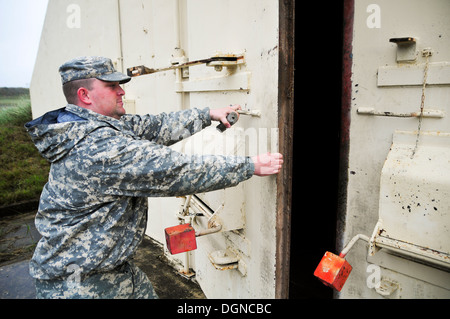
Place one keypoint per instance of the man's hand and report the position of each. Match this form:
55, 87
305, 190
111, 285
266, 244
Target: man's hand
221, 114
267, 164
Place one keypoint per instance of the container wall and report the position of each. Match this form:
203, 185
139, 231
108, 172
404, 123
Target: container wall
158, 33
384, 184
71, 29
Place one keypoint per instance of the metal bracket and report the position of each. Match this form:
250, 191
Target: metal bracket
386, 287
227, 260
406, 49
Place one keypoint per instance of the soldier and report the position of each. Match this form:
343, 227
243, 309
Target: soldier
104, 164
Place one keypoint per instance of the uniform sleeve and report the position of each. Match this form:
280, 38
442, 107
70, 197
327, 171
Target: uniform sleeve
169, 128
116, 165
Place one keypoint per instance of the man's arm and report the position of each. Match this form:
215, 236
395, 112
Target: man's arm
169, 128
119, 165
265, 164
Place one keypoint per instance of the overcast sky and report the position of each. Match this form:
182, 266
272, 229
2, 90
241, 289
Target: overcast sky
21, 23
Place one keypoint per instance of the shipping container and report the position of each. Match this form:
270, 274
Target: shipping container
366, 143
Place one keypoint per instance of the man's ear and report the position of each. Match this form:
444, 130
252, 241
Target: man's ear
83, 95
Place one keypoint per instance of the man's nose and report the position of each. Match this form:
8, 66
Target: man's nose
120, 91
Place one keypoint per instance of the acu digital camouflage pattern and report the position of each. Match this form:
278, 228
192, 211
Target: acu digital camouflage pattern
124, 282
91, 67
93, 210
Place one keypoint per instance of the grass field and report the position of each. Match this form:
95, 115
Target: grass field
7, 101
23, 172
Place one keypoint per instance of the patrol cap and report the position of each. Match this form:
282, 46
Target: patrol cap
88, 67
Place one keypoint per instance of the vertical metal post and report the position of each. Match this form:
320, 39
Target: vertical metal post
120, 37
286, 130
347, 62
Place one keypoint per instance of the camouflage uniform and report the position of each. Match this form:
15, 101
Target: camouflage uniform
124, 282
89, 67
93, 211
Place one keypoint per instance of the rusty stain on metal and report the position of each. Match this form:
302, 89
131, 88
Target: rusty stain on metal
346, 106
224, 259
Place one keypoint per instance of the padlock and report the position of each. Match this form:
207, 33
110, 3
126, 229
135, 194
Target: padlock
180, 238
333, 271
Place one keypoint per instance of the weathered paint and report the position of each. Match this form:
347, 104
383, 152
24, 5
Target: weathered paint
155, 33
286, 67
347, 63
376, 77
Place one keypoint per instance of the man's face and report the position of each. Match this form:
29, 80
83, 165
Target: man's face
106, 98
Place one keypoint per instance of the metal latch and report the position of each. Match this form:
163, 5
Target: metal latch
217, 61
333, 270
431, 113
406, 49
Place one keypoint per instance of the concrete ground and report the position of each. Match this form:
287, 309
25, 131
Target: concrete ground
18, 238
